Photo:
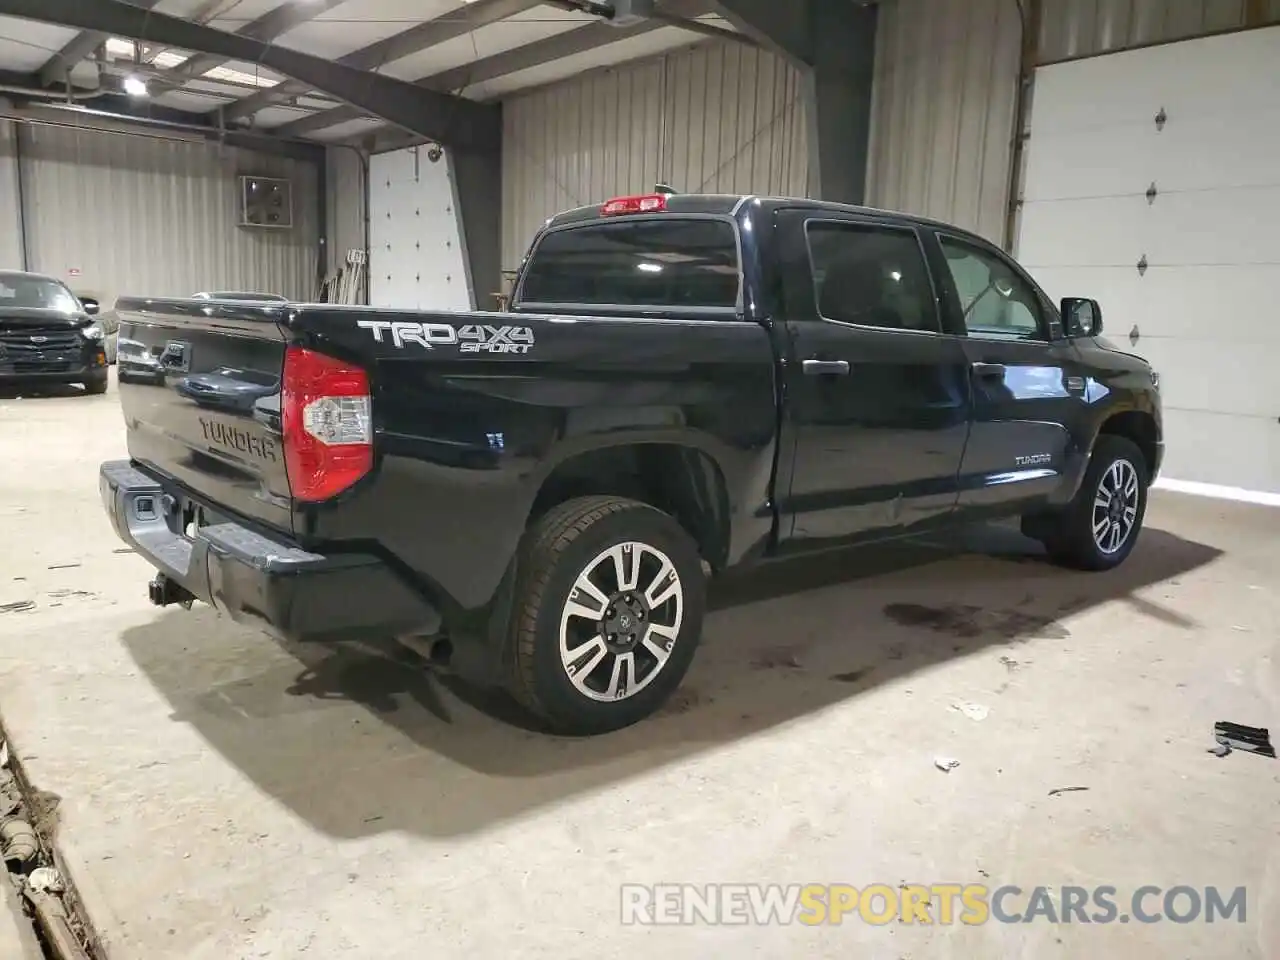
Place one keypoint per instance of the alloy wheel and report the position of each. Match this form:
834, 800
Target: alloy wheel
621, 621
1115, 507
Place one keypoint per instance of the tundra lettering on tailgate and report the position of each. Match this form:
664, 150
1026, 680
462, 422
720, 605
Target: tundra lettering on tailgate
472, 338
242, 441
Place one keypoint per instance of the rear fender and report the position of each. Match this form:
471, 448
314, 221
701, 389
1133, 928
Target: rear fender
676, 477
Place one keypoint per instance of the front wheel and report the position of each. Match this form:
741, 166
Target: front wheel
608, 613
1100, 528
96, 386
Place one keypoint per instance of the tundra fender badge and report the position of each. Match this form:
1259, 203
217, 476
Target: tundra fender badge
1034, 460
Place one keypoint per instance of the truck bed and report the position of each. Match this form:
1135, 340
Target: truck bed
470, 414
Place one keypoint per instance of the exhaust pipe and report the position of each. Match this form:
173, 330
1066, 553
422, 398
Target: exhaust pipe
164, 592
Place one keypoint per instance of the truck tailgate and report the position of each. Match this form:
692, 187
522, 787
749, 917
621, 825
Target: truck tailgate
200, 389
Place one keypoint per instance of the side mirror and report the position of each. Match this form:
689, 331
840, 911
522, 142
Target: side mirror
91, 306
1081, 318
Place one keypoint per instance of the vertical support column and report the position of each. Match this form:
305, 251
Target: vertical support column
478, 186
839, 79
1257, 13
323, 255
13, 242
833, 42
1031, 13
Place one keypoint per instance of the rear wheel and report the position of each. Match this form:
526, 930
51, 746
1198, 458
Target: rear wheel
1100, 528
608, 614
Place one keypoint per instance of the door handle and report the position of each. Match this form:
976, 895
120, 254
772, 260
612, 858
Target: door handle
825, 368
988, 371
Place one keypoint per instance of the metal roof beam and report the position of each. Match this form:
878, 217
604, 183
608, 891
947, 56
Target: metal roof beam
272, 24
536, 54
479, 13
447, 119
557, 47
79, 47
119, 115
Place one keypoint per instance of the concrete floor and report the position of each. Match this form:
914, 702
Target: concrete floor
223, 797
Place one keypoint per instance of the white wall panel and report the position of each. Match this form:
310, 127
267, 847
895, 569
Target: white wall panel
717, 117
1082, 28
1201, 310
417, 260
946, 80
159, 217
10, 214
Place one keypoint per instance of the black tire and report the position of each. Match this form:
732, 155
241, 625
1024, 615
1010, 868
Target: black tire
96, 386
1069, 536
555, 551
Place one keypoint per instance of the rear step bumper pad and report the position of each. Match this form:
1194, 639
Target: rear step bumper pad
261, 582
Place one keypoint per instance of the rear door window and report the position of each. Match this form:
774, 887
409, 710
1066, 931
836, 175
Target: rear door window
872, 275
659, 262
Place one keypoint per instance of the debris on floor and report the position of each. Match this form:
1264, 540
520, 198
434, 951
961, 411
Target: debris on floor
974, 711
18, 843
1234, 736
29, 862
1057, 791
46, 880
946, 764
18, 606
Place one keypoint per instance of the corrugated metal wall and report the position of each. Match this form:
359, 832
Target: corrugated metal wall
10, 216
159, 217
717, 117
1080, 28
946, 81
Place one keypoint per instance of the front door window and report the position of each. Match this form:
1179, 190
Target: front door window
994, 300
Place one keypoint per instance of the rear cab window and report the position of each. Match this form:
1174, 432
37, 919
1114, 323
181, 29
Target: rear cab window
664, 263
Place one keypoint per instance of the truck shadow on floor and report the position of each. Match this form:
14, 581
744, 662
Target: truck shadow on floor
39, 391
362, 740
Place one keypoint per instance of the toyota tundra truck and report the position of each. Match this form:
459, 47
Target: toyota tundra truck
681, 385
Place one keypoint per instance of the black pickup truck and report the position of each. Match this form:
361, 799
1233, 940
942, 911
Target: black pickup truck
682, 383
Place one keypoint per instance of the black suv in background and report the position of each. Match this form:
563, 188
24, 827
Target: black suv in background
48, 335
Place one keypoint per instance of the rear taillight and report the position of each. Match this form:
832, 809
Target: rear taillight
327, 424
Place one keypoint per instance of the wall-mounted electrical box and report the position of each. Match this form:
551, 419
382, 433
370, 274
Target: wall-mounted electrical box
266, 202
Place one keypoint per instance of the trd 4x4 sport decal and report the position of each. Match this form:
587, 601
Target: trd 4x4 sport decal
472, 338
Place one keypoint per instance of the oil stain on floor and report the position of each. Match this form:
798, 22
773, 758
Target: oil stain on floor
969, 622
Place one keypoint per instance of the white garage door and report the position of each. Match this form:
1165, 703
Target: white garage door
417, 260
1199, 121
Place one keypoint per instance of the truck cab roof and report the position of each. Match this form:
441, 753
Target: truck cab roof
721, 205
